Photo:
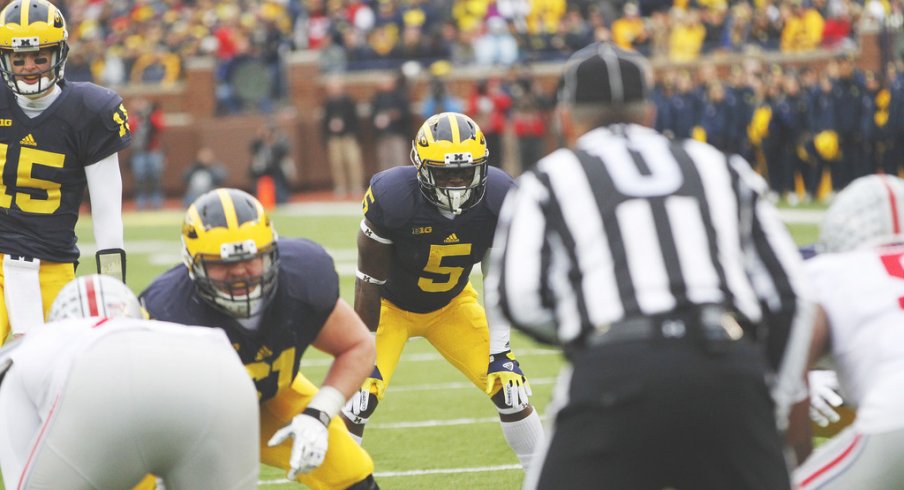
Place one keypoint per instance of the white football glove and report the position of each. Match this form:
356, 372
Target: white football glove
824, 397
311, 437
504, 369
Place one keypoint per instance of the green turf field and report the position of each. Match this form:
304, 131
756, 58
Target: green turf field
434, 430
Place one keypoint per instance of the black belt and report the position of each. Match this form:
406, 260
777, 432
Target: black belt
713, 325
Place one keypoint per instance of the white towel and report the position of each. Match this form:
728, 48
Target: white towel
22, 292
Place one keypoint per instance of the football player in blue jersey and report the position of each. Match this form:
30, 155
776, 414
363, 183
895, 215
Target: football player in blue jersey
424, 229
274, 298
56, 138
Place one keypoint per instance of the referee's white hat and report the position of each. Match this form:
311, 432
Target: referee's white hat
605, 73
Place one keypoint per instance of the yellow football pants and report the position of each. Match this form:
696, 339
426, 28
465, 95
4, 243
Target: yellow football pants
346, 462
52, 276
458, 331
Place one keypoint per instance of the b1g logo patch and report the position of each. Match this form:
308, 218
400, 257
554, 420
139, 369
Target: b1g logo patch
421, 230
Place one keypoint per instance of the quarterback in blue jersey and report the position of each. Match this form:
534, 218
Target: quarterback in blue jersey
424, 228
274, 298
56, 139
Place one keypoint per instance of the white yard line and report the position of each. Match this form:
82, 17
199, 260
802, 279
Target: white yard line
802, 216
420, 424
797, 216
354, 209
433, 356
436, 471
457, 385
321, 209
445, 471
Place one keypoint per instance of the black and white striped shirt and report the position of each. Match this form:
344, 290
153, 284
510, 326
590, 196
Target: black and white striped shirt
633, 224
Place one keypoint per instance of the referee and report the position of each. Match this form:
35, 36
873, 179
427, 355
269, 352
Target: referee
673, 288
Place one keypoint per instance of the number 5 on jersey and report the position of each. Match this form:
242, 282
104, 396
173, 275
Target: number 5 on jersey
435, 266
895, 268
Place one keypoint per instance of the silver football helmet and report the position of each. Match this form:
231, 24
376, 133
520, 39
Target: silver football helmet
868, 212
96, 295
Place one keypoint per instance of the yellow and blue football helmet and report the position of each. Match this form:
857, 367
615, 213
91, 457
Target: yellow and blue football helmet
450, 153
32, 25
826, 144
226, 226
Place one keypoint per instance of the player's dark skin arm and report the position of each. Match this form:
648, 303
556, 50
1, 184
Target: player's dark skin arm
819, 343
374, 259
799, 436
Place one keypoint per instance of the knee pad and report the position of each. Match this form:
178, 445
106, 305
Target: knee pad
366, 484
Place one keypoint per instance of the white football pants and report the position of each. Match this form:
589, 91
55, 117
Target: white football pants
135, 403
853, 460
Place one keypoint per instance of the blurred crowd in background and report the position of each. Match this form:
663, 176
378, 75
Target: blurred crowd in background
115, 42
809, 131
794, 125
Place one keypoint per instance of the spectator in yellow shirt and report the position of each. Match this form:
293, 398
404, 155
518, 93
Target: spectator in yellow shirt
630, 31
686, 38
544, 16
803, 28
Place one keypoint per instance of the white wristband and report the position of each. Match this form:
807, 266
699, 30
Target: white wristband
328, 400
368, 279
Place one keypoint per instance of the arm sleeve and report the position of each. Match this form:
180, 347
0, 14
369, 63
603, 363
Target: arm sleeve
515, 284
790, 318
105, 191
500, 329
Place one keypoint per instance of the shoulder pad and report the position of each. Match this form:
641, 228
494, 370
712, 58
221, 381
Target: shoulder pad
498, 185
393, 197
103, 102
162, 295
308, 273
6, 96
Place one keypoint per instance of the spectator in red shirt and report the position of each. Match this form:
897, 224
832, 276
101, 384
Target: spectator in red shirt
528, 122
148, 159
488, 104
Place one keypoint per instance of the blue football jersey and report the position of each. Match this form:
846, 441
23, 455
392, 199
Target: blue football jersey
42, 166
307, 292
432, 255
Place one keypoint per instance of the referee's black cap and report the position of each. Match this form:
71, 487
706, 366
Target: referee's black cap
604, 73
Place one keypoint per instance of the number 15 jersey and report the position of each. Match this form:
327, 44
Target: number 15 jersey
432, 255
42, 166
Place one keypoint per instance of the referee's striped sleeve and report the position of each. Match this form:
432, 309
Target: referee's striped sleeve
778, 276
516, 282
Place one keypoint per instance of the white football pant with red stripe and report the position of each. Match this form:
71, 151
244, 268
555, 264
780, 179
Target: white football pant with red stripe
855, 461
